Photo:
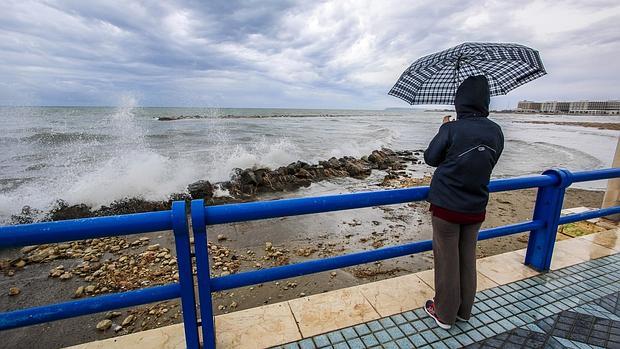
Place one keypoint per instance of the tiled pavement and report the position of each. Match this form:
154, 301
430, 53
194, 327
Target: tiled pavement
573, 307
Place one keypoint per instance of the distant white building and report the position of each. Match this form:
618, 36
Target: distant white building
595, 107
575, 107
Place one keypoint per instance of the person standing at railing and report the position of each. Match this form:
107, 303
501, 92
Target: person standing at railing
464, 152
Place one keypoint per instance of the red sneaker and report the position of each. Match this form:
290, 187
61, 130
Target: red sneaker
429, 307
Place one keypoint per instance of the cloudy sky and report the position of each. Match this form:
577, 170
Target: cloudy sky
313, 54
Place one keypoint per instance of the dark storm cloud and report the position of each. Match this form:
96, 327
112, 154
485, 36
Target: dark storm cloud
285, 53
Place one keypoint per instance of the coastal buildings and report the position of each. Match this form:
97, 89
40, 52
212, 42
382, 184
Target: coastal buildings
575, 107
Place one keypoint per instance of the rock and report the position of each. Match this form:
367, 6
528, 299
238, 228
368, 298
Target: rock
268, 246
14, 291
225, 273
79, 292
153, 247
333, 162
64, 211
356, 170
89, 289
112, 314
302, 173
201, 190
28, 249
333, 274
20, 264
66, 276
117, 328
247, 177
221, 237
104, 324
233, 305
128, 320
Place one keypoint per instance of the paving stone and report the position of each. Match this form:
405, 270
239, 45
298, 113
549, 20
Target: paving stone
335, 337
370, 340
429, 336
398, 319
405, 343
349, 333
307, 344
417, 340
362, 329
387, 322
395, 333
407, 329
321, 341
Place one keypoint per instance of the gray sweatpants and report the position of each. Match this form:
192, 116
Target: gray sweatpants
454, 250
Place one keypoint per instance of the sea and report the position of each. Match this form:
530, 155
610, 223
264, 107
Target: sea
95, 155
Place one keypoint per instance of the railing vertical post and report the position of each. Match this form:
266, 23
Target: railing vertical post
548, 208
199, 227
186, 279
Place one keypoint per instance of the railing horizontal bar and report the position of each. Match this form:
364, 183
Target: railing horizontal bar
299, 206
59, 311
319, 265
585, 176
86, 228
524, 182
575, 217
509, 229
315, 266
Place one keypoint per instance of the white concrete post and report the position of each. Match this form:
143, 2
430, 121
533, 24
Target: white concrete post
612, 194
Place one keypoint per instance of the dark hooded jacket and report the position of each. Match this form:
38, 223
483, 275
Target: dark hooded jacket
465, 151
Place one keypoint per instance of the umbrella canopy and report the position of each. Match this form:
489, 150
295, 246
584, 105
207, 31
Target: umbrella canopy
434, 79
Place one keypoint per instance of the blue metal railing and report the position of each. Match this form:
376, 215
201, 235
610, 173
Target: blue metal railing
543, 227
79, 229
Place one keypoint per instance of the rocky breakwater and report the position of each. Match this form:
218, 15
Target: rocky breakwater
247, 183
244, 185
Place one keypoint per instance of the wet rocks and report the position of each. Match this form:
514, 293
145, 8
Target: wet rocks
112, 314
65, 211
104, 324
66, 276
201, 190
154, 247
28, 249
223, 259
279, 256
244, 185
128, 320
396, 181
79, 292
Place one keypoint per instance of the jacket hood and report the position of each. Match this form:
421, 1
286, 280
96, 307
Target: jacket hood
472, 98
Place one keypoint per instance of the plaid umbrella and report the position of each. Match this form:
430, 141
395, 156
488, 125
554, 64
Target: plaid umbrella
433, 79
